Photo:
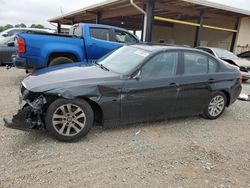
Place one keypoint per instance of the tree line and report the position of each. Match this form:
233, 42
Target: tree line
9, 26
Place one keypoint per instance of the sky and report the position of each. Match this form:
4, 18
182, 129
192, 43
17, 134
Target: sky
39, 11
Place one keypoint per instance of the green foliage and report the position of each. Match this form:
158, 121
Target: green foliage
21, 25
37, 26
8, 26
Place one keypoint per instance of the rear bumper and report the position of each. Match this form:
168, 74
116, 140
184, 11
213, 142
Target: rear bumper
235, 94
19, 62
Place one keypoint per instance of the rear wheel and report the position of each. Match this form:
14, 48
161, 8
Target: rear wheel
68, 120
216, 106
60, 60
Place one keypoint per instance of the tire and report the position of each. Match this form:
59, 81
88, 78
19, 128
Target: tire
60, 60
216, 106
69, 120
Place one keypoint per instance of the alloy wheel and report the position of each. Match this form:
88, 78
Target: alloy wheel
69, 120
216, 106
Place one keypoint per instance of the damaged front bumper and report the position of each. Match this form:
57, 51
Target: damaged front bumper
30, 115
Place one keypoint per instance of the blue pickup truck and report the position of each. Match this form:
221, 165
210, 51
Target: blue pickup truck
85, 43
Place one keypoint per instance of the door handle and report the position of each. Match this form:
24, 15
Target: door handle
173, 84
211, 80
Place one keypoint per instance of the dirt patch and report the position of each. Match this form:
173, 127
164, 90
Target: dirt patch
183, 152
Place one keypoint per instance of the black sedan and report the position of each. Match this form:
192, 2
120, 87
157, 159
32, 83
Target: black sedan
135, 83
245, 55
7, 49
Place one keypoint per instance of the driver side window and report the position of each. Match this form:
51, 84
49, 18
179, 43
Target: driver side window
160, 66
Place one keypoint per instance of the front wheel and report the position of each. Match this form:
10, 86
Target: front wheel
68, 120
216, 106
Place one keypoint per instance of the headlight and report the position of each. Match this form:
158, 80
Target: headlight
23, 91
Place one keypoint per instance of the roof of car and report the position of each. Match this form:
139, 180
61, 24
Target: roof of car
28, 28
161, 47
212, 48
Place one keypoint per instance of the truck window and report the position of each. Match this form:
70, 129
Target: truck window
76, 31
100, 33
124, 37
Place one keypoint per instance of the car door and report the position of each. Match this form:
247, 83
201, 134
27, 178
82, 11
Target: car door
99, 42
7, 50
153, 95
195, 87
6, 53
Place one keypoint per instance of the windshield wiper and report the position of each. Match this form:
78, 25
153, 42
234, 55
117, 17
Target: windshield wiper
100, 65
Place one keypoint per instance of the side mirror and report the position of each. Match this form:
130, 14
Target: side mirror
12, 43
137, 76
5, 35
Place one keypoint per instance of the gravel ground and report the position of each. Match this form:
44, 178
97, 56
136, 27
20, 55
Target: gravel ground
184, 152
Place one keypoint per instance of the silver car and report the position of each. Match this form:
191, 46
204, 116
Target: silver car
229, 57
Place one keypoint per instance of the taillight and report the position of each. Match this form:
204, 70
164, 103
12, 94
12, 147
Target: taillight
21, 45
241, 79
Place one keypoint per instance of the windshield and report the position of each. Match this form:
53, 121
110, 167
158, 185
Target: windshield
224, 54
123, 60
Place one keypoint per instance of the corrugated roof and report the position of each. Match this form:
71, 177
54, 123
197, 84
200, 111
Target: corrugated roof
101, 4
219, 6
113, 2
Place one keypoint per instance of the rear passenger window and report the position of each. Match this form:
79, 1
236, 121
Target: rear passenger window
78, 31
195, 63
99, 33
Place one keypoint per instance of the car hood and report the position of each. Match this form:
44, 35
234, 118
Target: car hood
64, 78
242, 62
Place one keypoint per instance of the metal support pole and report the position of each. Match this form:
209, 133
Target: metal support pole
59, 29
98, 18
197, 40
233, 43
142, 27
149, 21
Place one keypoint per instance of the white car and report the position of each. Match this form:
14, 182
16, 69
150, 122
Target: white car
8, 35
229, 57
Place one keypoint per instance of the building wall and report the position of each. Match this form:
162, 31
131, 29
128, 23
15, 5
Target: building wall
160, 33
244, 32
214, 38
174, 35
185, 34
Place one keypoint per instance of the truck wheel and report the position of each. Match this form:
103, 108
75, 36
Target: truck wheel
68, 120
60, 60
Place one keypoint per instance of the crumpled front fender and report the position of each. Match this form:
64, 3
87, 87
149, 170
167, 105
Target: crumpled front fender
29, 117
